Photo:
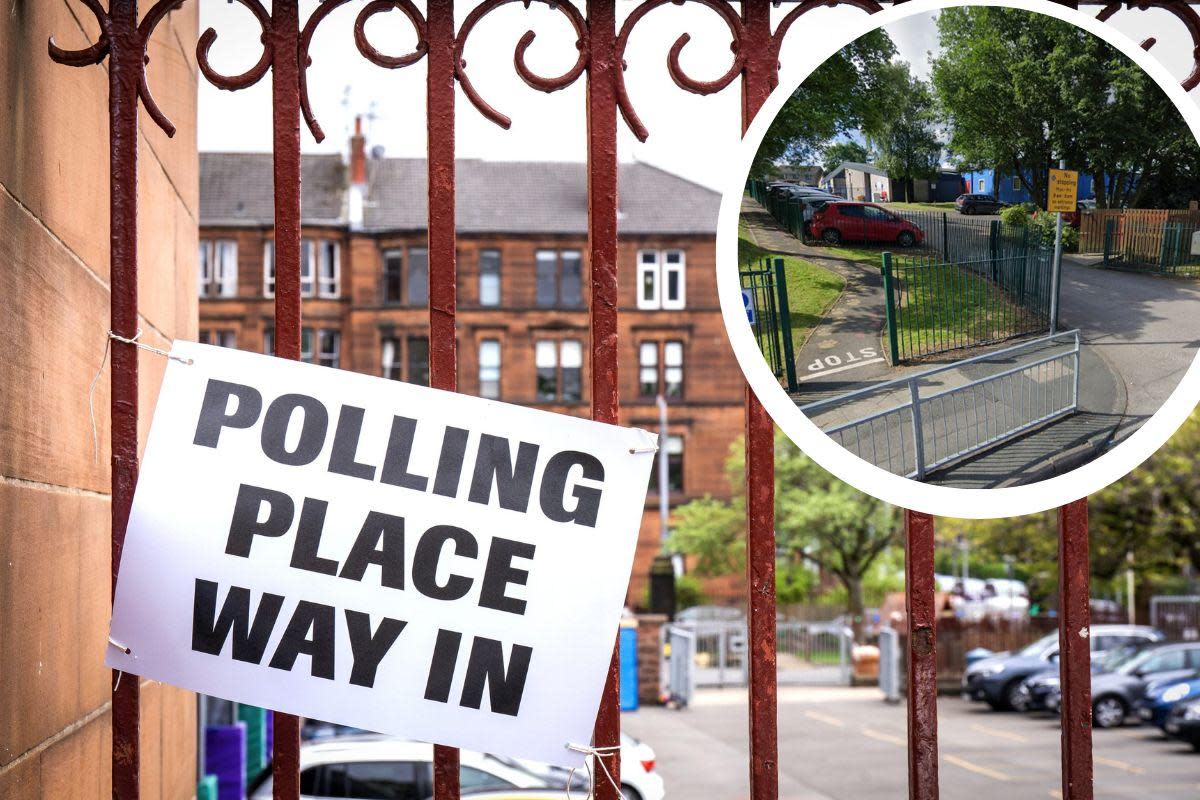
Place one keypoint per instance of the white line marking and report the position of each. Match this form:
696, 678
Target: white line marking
828, 720
1122, 765
1013, 737
832, 370
884, 737
967, 765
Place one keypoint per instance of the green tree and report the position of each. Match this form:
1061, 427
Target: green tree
904, 135
839, 96
847, 150
1021, 90
818, 518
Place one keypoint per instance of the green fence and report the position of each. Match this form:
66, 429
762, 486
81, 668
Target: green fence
1164, 248
948, 235
764, 294
934, 306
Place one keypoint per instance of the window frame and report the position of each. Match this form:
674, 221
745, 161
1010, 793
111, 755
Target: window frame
558, 273
660, 270
494, 272
217, 281
559, 370
488, 343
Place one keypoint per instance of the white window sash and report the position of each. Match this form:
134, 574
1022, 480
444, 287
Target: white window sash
269, 269
649, 269
226, 267
329, 274
204, 272
679, 299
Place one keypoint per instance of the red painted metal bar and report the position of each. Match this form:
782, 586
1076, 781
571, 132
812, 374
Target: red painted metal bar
124, 73
1074, 650
443, 352
602, 73
759, 77
922, 656
285, 103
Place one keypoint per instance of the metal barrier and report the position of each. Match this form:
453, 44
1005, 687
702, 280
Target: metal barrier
808, 652
936, 306
770, 316
681, 655
934, 426
889, 664
1178, 616
1164, 248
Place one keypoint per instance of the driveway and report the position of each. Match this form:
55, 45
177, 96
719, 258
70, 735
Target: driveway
848, 744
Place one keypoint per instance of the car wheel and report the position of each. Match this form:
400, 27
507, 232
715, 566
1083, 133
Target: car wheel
906, 239
1108, 712
629, 793
832, 236
1014, 698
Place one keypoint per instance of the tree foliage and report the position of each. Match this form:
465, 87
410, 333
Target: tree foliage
1021, 90
847, 150
904, 131
838, 97
818, 518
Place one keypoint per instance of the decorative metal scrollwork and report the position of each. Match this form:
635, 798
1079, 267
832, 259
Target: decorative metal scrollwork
369, 51
542, 84
1185, 13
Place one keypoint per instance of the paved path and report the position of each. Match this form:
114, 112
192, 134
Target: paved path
848, 744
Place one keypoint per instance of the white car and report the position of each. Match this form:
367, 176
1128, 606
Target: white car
368, 766
371, 766
639, 781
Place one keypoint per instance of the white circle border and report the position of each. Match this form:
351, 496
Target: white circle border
866, 477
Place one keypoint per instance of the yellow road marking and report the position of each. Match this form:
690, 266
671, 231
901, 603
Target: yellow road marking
828, 720
967, 765
1122, 765
1012, 737
884, 737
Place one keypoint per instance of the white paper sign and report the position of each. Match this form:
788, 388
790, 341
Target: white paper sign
378, 554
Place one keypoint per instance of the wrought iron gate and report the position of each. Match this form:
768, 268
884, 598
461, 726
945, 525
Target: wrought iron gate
601, 44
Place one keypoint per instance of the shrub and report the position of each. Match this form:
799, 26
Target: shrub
688, 592
1015, 216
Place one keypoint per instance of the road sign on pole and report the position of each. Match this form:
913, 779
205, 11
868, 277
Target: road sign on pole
1063, 194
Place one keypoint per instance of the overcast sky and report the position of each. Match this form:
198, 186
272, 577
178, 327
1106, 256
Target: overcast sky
688, 133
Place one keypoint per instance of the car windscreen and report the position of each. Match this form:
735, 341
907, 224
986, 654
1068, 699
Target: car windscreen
1037, 648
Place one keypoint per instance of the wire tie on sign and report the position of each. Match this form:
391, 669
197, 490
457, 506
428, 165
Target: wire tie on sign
100, 370
123, 648
651, 447
599, 753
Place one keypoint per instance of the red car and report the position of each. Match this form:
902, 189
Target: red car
863, 222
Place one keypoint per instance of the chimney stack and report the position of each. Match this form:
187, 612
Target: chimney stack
358, 154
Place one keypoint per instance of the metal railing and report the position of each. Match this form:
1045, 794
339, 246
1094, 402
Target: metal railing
810, 653
1152, 246
936, 306
933, 426
1178, 616
765, 294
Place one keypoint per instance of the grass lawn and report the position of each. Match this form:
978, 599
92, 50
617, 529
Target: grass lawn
949, 306
921, 206
811, 289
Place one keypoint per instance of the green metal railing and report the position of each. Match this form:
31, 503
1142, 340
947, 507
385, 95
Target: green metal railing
1164, 248
764, 293
934, 306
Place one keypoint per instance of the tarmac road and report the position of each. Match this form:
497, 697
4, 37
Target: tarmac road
848, 744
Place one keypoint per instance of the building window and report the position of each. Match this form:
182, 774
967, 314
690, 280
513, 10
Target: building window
393, 276
559, 278
329, 269
660, 369
218, 268
418, 276
406, 359
269, 341
981, 186
219, 338
661, 279
330, 343
1016, 183
489, 277
674, 448
559, 371
489, 369
316, 257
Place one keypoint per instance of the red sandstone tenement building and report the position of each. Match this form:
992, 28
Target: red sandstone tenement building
522, 291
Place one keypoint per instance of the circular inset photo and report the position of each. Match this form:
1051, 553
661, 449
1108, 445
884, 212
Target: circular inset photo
963, 270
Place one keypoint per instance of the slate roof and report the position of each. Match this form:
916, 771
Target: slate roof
535, 197
870, 169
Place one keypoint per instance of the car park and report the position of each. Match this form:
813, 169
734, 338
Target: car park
840, 221
1043, 690
1183, 723
998, 680
974, 203
1114, 694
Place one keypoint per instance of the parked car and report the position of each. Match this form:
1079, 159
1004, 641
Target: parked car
978, 204
840, 221
1115, 693
1042, 688
998, 680
367, 765
639, 780
1161, 698
1184, 723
